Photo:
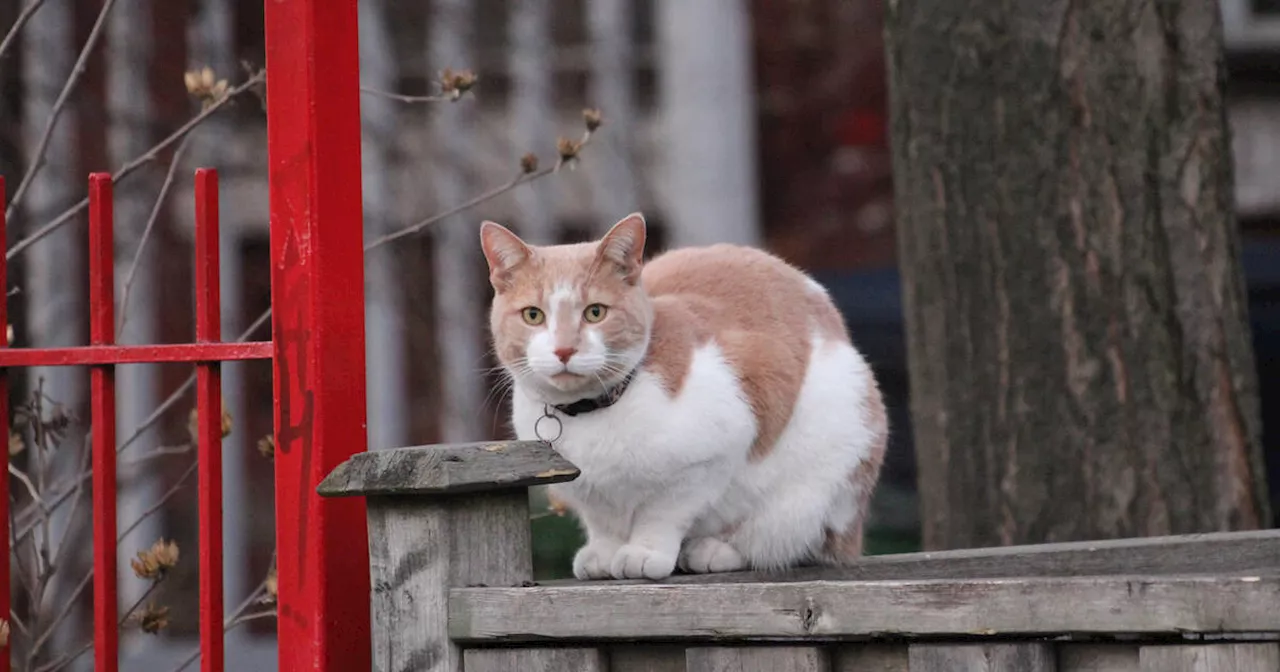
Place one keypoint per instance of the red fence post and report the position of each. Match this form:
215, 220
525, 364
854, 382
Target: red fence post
317, 295
209, 421
102, 411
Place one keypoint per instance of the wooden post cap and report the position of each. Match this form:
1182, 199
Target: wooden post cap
448, 469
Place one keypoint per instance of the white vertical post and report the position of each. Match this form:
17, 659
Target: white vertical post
459, 322
613, 183
54, 286
532, 111
385, 357
128, 136
707, 106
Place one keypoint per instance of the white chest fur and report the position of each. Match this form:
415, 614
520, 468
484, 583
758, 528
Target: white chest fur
630, 451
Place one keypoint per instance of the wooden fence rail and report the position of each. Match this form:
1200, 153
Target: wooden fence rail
452, 573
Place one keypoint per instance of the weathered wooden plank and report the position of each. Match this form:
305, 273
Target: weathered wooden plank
757, 659
1219, 552
1097, 658
534, 660
419, 547
870, 658
1211, 658
646, 658
448, 469
852, 609
982, 658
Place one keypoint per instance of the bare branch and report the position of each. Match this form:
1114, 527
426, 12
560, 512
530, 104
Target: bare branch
235, 619
438, 98
25, 516
31, 487
37, 161
522, 178
135, 164
173, 490
146, 232
71, 657
69, 604
11, 37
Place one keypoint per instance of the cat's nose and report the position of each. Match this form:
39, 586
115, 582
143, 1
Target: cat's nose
565, 353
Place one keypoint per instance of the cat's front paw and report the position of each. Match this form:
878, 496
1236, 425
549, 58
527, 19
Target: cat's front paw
705, 555
638, 562
594, 561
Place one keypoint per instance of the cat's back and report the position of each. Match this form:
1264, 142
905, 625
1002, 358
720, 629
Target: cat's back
765, 317
733, 288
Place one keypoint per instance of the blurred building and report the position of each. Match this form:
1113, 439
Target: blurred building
761, 122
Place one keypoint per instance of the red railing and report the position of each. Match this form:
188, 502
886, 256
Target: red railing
317, 353
102, 355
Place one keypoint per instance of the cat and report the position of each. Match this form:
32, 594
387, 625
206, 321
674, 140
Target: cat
711, 397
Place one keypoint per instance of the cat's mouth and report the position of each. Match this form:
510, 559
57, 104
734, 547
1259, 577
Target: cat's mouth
565, 376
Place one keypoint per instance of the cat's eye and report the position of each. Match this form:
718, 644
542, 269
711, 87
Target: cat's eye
594, 312
533, 316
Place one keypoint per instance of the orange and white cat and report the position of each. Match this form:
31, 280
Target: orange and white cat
711, 397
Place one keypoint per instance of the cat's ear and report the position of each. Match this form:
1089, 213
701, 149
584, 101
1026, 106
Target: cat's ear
502, 249
624, 246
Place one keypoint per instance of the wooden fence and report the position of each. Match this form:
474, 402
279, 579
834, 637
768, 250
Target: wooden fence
452, 590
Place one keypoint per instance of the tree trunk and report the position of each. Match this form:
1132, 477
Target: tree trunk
1080, 359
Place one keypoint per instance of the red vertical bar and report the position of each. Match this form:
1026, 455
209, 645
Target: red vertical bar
4, 431
317, 293
106, 643
209, 419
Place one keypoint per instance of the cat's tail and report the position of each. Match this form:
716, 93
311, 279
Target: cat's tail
845, 546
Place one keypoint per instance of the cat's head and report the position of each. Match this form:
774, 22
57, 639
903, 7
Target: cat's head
568, 321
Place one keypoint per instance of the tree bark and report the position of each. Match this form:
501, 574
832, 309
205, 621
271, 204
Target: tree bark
1080, 358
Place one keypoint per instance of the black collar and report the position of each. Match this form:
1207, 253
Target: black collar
609, 398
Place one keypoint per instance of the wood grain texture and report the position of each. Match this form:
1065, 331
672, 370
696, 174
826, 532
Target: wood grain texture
651, 658
534, 660
982, 658
448, 469
757, 659
1211, 658
1097, 658
870, 658
848, 609
1179, 554
419, 548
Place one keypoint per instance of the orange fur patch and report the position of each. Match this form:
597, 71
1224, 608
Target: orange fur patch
762, 313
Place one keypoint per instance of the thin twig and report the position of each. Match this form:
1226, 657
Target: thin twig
31, 487
520, 179
59, 104
157, 453
85, 455
71, 657
25, 576
170, 402
24, 16
136, 163
67, 606
164, 499
230, 622
438, 98
146, 232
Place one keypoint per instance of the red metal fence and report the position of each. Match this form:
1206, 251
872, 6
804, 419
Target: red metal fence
317, 350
